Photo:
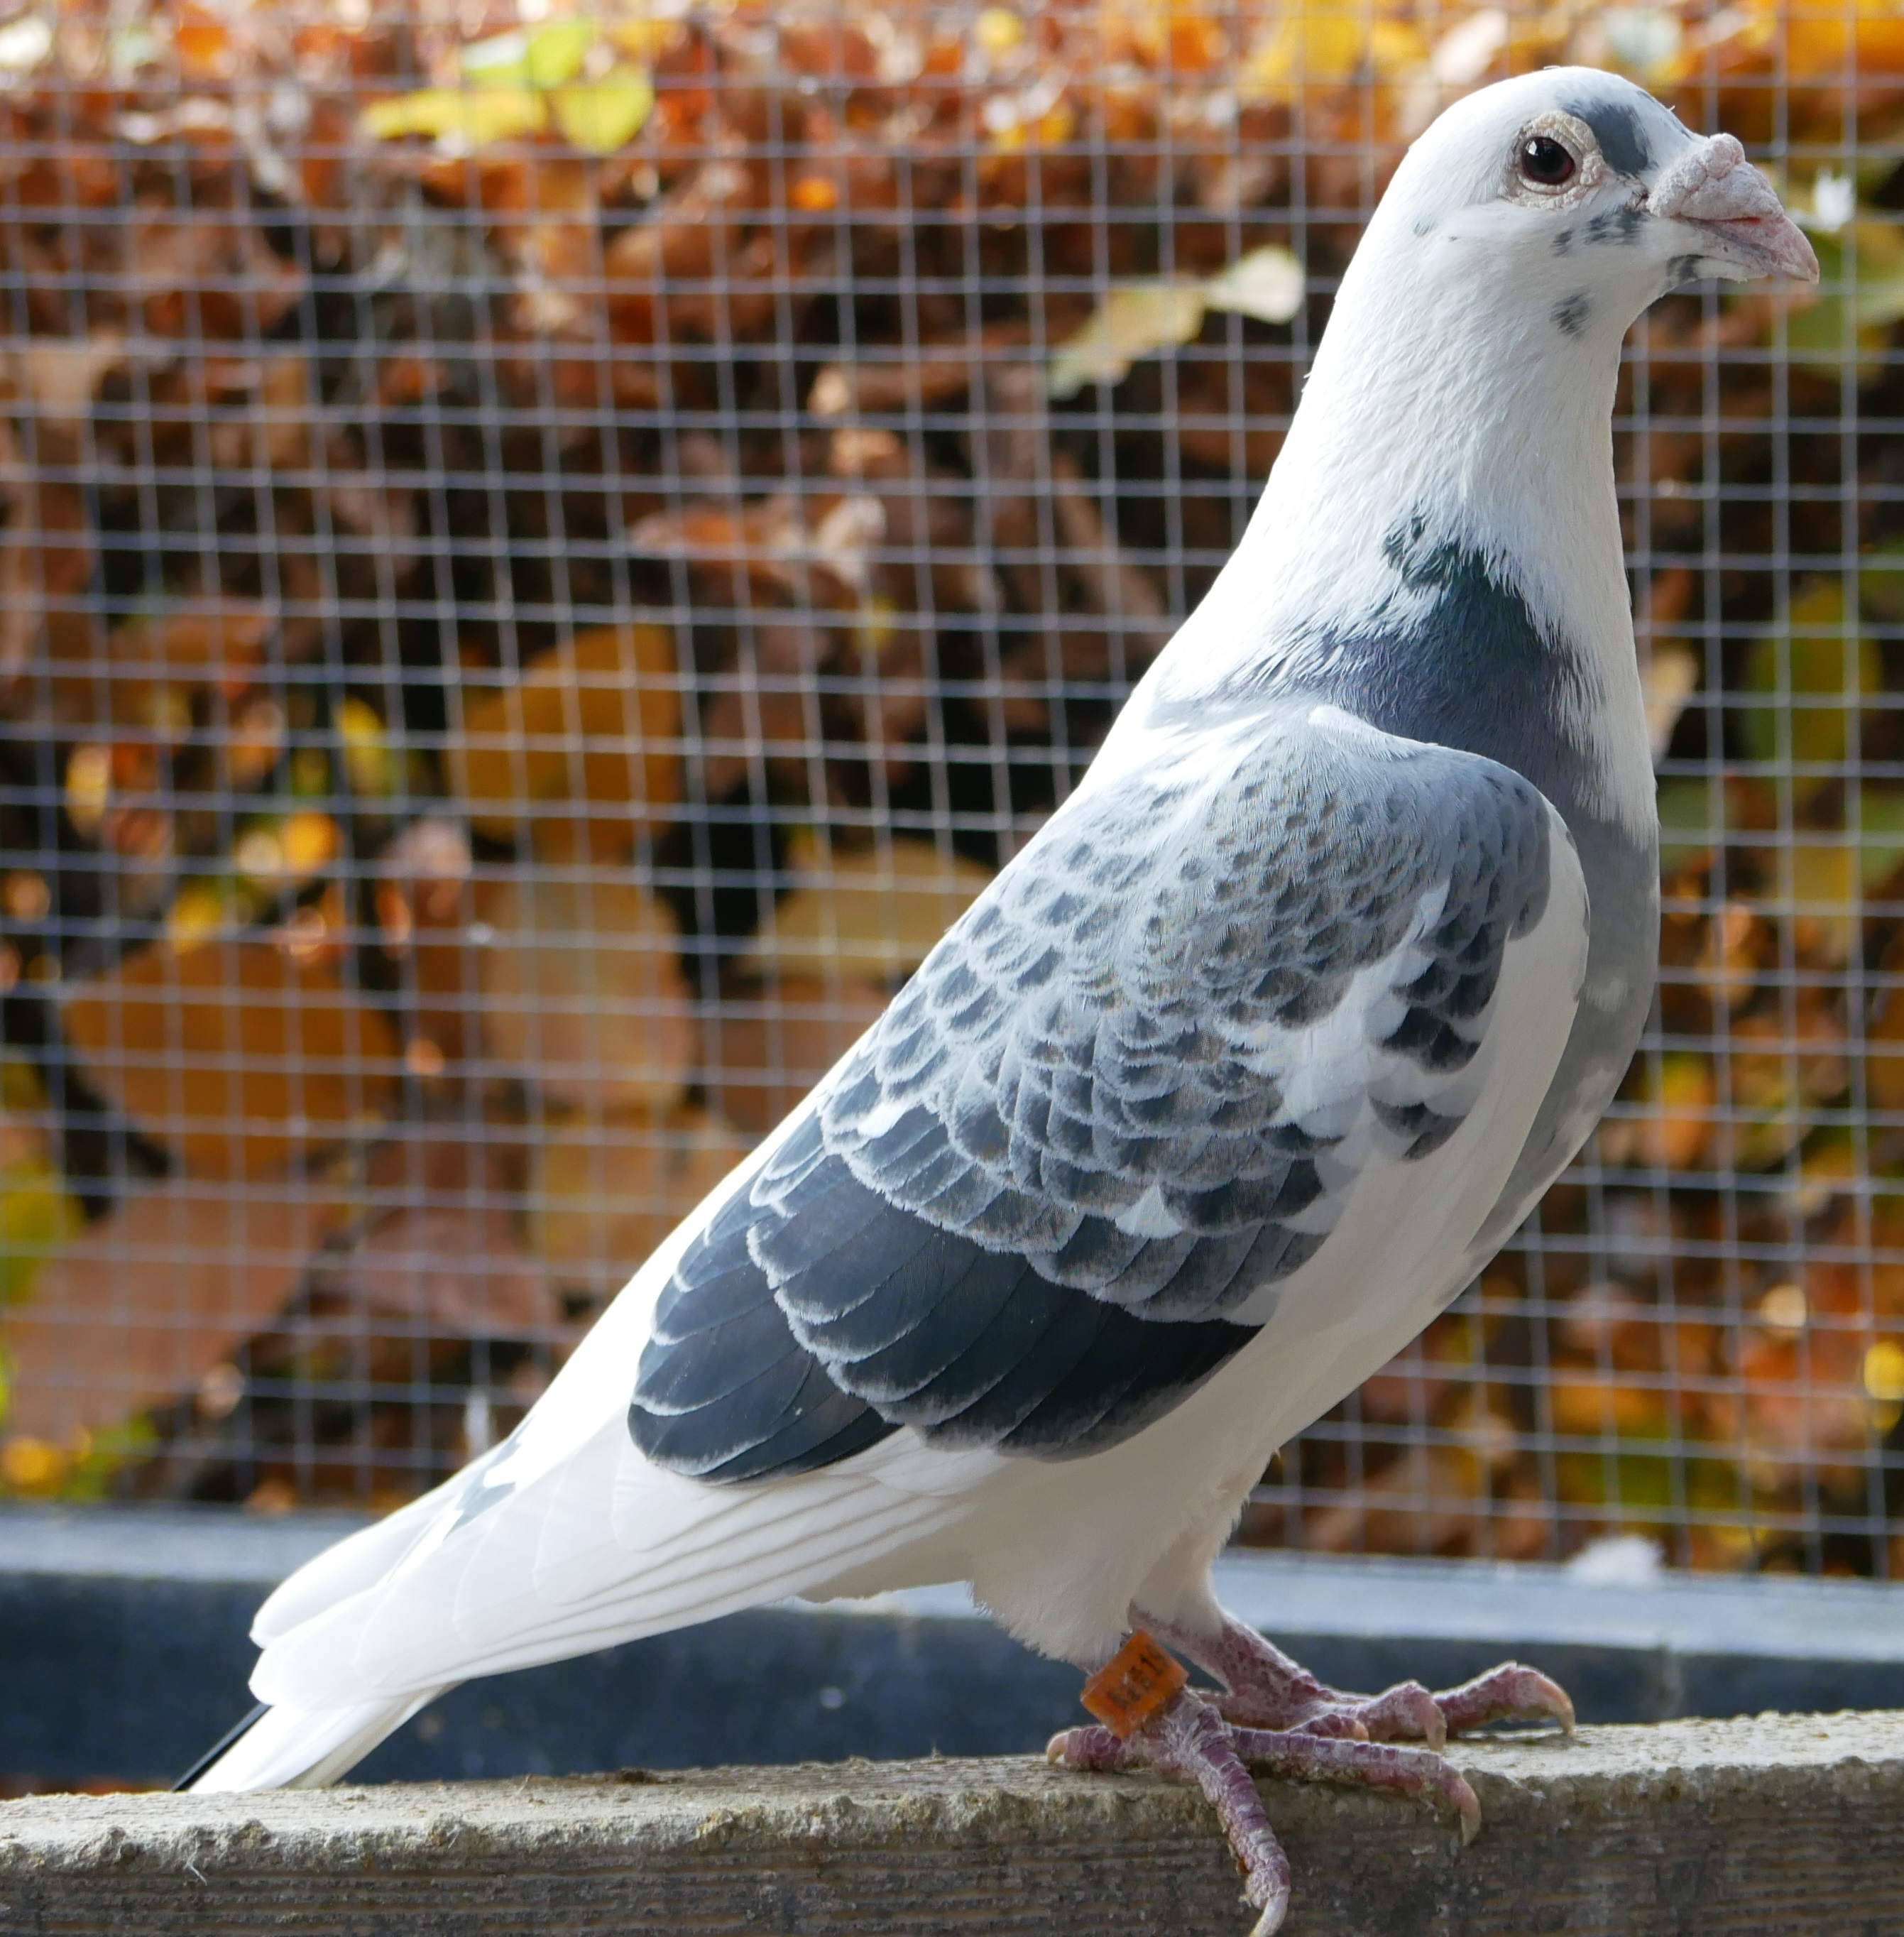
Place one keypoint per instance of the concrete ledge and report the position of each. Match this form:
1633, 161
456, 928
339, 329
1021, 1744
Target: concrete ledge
1785, 1824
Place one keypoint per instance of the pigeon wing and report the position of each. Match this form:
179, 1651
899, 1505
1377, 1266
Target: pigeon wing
1060, 1182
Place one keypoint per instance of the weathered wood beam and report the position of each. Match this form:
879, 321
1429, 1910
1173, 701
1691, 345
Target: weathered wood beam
1783, 1824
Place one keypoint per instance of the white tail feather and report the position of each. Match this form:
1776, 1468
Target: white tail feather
293, 1748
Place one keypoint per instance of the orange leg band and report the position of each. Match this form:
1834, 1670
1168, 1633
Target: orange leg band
1133, 1685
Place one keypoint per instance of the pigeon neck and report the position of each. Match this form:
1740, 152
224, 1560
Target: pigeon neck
1438, 549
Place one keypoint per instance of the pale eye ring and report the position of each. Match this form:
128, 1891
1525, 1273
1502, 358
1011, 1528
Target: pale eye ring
1546, 163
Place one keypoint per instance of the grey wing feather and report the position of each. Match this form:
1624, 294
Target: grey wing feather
1113, 1059
1057, 1184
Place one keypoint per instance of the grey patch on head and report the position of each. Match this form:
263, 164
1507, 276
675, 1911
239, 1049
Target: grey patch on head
1684, 269
1620, 225
1616, 128
1571, 315
1563, 241
1424, 226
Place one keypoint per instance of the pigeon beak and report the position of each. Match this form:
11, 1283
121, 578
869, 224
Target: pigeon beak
1744, 231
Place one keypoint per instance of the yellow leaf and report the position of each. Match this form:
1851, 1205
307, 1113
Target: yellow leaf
997, 31
1132, 322
1266, 284
1821, 886
200, 910
89, 787
600, 116
546, 58
1326, 42
556, 52
310, 842
470, 117
368, 763
865, 917
1883, 1370
1396, 48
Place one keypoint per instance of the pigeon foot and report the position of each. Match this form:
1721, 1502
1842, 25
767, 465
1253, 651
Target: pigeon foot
1189, 1739
1264, 1689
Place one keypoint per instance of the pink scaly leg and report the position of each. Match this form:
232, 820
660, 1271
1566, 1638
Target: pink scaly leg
1277, 1718
1187, 1738
1265, 1690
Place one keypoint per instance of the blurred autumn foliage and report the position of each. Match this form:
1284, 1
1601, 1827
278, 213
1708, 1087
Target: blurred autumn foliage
548, 552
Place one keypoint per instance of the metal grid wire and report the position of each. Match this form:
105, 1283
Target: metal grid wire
547, 553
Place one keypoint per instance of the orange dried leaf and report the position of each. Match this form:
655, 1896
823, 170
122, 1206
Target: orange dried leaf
134, 1310
583, 996
865, 917
604, 1195
764, 1050
597, 721
239, 1060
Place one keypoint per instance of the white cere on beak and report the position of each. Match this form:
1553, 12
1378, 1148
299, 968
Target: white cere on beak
1712, 183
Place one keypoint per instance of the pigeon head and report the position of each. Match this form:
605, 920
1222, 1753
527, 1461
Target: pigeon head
1452, 456
1569, 198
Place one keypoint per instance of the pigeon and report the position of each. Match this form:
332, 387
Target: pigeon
1230, 1081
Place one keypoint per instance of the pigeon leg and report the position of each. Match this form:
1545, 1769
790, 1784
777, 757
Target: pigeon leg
1265, 1690
1187, 1738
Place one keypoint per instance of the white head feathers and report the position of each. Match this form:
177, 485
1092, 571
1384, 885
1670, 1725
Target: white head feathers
1464, 385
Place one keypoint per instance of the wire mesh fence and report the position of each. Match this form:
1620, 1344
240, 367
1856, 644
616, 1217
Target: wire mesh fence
548, 553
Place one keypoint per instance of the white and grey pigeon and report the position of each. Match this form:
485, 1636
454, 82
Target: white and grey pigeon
1229, 1083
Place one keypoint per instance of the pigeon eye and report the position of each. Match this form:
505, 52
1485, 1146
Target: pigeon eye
1546, 162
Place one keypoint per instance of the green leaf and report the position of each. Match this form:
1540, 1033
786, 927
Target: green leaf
1132, 322
472, 117
600, 116
1881, 584
1812, 672
1692, 819
1861, 281
1266, 284
1880, 810
37, 1217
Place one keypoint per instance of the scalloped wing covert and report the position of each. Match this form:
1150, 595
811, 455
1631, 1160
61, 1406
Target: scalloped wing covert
1059, 1182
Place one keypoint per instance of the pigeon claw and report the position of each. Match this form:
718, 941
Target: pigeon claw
1509, 1692
1189, 1739
1262, 1688
1300, 1757
1275, 1717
